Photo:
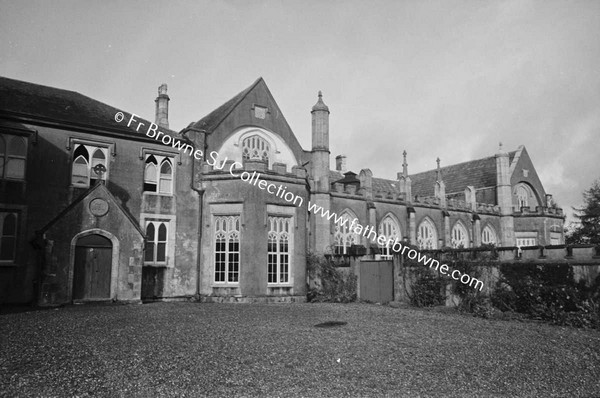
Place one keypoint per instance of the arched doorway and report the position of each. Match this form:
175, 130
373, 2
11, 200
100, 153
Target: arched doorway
92, 268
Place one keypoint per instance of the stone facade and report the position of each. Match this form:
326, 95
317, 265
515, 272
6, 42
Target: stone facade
94, 210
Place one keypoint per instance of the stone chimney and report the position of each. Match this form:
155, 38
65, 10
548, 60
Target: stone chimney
340, 163
162, 107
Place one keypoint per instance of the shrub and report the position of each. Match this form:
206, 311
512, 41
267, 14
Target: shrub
471, 300
427, 289
548, 293
327, 283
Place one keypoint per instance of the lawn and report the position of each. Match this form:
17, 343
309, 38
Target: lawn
191, 349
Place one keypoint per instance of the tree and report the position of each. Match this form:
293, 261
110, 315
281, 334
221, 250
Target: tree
588, 230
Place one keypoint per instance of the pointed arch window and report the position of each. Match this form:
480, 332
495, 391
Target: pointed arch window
256, 147
488, 236
90, 164
427, 235
522, 196
460, 236
13, 156
158, 174
156, 242
279, 249
227, 248
389, 228
8, 237
343, 235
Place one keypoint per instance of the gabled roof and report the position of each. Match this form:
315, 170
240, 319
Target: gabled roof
34, 101
214, 118
98, 186
479, 173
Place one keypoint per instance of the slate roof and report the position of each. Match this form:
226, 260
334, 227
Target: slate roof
480, 173
51, 104
213, 119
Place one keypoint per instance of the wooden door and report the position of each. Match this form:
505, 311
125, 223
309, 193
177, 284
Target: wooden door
92, 268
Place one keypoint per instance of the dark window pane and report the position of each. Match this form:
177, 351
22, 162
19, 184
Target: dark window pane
10, 225
161, 252
7, 248
150, 232
149, 252
162, 233
149, 187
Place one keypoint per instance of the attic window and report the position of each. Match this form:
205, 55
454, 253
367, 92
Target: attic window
260, 112
525, 173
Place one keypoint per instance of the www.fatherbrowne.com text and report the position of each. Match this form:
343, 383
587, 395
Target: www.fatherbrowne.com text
213, 159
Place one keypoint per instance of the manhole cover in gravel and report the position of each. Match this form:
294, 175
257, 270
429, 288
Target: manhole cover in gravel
330, 324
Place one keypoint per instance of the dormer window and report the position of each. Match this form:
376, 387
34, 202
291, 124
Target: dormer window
255, 147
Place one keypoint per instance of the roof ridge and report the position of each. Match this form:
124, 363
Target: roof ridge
42, 85
228, 107
458, 164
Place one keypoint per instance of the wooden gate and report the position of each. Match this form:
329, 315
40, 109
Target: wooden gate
92, 268
376, 281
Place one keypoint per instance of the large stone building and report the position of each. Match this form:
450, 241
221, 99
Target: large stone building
91, 209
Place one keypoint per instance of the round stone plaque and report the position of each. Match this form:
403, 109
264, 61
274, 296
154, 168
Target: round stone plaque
99, 207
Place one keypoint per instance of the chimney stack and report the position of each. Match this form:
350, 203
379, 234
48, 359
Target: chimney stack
340, 163
162, 107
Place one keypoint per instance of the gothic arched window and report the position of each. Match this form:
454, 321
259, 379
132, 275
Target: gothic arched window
278, 249
256, 147
158, 174
90, 163
156, 242
522, 196
343, 236
427, 235
227, 249
488, 236
460, 236
389, 228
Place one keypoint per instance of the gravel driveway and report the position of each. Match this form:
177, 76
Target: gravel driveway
191, 349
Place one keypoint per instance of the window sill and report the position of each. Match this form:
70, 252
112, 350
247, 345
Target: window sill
12, 179
158, 265
286, 284
157, 194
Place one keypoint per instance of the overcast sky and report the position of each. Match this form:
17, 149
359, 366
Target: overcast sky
437, 78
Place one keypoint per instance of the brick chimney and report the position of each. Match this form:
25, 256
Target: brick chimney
162, 107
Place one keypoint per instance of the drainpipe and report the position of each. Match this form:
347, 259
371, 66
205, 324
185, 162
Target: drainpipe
200, 199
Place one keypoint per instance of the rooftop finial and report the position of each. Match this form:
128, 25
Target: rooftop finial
320, 105
404, 165
438, 163
500, 146
439, 172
